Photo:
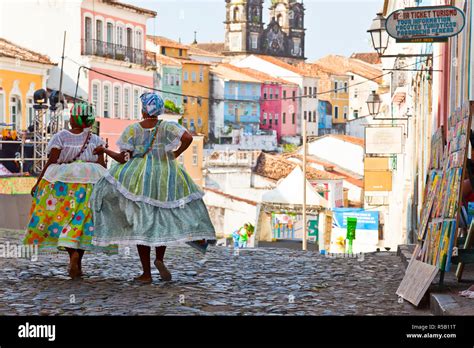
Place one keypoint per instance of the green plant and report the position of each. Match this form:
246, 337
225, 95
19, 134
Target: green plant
289, 148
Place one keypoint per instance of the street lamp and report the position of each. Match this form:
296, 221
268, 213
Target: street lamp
374, 103
378, 33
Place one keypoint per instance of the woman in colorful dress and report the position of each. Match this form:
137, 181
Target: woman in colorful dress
61, 218
147, 199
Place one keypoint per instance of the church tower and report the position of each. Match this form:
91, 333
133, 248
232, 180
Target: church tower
243, 26
283, 37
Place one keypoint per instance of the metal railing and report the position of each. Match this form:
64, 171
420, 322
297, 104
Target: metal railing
118, 52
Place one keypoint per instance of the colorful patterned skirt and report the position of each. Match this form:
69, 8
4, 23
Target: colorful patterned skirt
61, 218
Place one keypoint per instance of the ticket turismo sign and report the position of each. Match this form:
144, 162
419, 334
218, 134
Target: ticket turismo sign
425, 24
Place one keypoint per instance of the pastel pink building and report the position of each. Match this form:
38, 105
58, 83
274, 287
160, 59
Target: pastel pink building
279, 103
113, 37
279, 108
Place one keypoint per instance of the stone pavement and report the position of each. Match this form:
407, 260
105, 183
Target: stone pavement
263, 281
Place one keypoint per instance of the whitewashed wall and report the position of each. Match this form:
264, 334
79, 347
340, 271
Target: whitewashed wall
346, 155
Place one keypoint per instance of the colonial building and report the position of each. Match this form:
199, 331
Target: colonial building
283, 37
22, 71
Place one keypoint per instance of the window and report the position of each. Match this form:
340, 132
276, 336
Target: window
293, 118
107, 101
335, 87
180, 52
345, 87
201, 74
309, 116
185, 122
95, 97
177, 80
135, 104
119, 36
254, 109
315, 92
185, 76
117, 101
15, 111
277, 94
264, 122
305, 93
126, 102
185, 99
276, 119
110, 33
284, 118
265, 91
195, 155
2, 108
284, 94
163, 51
29, 109
191, 125
336, 112
199, 122
356, 92
270, 119
98, 30
305, 115
294, 95
271, 93
356, 113
199, 101
138, 40
254, 40
310, 92
193, 76
345, 112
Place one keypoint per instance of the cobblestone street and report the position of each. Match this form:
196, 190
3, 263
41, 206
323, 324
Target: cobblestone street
255, 282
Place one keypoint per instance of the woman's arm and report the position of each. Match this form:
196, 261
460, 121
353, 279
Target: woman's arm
101, 160
121, 157
52, 159
186, 140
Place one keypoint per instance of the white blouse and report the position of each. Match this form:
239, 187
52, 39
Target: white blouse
85, 169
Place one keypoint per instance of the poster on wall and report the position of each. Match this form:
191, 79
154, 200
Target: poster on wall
367, 230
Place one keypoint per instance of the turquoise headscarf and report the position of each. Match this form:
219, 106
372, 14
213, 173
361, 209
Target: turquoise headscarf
152, 104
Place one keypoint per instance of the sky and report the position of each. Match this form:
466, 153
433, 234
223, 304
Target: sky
333, 26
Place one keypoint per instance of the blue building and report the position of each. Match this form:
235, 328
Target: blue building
325, 117
235, 101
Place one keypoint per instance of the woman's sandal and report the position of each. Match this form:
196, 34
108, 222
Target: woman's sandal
164, 273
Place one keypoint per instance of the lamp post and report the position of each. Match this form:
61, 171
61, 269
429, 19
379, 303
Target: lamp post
374, 103
378, 34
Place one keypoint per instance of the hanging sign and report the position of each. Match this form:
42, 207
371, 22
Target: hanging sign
425, 24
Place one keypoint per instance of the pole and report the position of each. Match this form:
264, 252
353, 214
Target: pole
305, 231
61, 88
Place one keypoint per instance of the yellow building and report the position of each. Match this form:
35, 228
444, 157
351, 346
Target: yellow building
194, 83
196, 96
339, 98
192, 159
22, 72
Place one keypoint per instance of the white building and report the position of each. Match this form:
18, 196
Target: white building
306, 82
344, 151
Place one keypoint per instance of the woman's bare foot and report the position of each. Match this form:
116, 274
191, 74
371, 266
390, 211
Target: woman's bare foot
74, 270
164, 273
144, 278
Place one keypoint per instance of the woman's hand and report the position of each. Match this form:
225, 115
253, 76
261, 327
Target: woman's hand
99, 150
33, 190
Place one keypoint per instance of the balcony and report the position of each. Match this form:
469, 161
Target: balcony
127, 54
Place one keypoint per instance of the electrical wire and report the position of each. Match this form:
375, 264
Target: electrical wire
307, 96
